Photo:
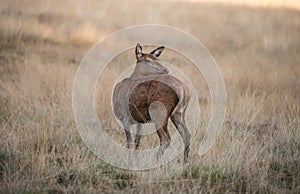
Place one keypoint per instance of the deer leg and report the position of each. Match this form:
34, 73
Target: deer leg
137, 139
159, 116
127, 129
164, 138
179, 122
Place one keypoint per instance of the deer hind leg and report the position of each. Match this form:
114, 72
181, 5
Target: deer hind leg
127, 128
179, 122
159, 116
137, 139
164, 139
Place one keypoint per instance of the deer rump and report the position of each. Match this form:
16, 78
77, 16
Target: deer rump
148, 92
136, 96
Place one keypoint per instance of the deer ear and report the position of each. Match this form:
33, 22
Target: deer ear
157, 51
138, 51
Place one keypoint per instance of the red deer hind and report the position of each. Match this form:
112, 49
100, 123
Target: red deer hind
139, 99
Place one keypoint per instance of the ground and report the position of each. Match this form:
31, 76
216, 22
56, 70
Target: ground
256, 46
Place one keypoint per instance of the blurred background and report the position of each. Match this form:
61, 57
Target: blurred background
255, 43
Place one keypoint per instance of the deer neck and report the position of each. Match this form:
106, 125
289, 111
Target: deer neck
137, 73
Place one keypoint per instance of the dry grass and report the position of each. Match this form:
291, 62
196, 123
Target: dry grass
42, 43
290, 4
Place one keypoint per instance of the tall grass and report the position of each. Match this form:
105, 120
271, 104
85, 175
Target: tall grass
41, 45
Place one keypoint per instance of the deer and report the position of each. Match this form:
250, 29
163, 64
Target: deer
152, 94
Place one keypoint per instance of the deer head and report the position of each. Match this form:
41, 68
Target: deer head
148, 64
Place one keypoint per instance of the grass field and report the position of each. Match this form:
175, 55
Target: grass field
256, 45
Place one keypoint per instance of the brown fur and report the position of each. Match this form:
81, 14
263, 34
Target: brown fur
146, 93
150, 83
